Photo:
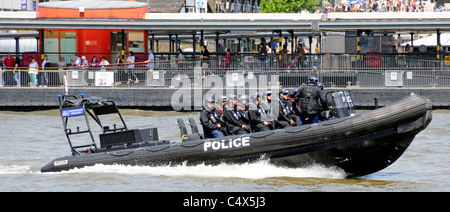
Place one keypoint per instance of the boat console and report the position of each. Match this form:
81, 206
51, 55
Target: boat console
117, 135
341, 104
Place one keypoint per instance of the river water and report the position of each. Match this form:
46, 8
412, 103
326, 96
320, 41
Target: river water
29, 140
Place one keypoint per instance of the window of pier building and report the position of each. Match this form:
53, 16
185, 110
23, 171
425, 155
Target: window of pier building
60, 43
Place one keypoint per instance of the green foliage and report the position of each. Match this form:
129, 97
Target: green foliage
441, 2
288, 6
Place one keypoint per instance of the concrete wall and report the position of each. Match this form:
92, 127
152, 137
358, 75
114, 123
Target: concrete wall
160, 98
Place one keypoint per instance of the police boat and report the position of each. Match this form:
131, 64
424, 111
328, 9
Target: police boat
360, 144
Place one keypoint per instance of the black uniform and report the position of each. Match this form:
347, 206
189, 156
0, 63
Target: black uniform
233, 121
218, 110
309, 96
284, 114
294, 112
268, 110
209, 121
243, 113
255, 114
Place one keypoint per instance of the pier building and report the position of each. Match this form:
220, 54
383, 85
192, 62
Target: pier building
353, 50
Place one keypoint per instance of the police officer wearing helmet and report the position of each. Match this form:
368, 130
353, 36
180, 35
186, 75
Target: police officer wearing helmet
242, 109
256, 114
310, 97
209, 120
284, 112
295, 106
219, 109
267, 105
323, 107
232, 118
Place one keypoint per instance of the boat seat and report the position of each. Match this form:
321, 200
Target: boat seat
182, 126
185, 135
194, 128
191, 137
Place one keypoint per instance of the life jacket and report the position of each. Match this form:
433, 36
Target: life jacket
212, 116
261, 111
293, 102
285, 107
219, 107
236, 115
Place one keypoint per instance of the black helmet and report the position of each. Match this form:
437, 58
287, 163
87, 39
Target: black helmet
321, 85
243, 97
255, 96
231, 96
284, 91
210, 99
313, 79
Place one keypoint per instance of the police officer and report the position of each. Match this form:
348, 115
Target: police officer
220, 104
323, 106
242, 109
218, 108
256, 114
267, 105
310, 96
284, 112
232, 118
295, 107
209, 120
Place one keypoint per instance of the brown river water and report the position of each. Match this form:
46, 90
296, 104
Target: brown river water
29, 140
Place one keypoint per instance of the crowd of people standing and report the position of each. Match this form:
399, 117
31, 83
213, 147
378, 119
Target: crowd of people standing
385, 6
41, 72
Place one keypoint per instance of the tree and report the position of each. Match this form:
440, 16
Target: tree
288, 6
441, 2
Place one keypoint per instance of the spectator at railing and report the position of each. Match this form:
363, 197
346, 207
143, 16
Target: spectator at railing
206, 61
76, 61
180, 63
263, 57
16, 71
9, 63
103, 64
61, 71
33, 71
301, 55
130, 61
119, 71
94, 62
151, 60
385, 6
44, 73
84, 61
226, 59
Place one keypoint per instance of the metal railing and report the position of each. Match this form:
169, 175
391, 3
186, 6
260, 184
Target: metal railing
370, 70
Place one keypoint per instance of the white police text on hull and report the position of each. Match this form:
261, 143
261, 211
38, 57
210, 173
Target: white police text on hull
226, 144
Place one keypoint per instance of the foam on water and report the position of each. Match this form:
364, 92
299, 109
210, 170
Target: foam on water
258, 170
13, 169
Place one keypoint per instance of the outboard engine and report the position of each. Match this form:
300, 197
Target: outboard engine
342, 104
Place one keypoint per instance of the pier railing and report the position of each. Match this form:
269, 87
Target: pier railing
368, 70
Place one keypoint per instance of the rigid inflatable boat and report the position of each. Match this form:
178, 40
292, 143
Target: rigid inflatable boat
360, 144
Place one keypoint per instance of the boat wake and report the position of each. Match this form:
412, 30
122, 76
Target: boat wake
13, 169
257, 170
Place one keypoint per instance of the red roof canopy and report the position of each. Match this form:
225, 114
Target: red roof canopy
92, 9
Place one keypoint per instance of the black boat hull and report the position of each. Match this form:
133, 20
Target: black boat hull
359, 145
